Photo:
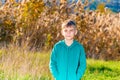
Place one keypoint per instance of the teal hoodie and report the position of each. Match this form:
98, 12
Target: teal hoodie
67, 62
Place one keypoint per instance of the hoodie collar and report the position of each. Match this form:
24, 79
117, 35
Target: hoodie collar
73, 44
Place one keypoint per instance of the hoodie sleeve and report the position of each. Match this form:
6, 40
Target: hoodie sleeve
53, 63
82, 64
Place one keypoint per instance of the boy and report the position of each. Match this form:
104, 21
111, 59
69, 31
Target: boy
68, 61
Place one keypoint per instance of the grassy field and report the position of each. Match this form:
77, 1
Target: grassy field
22, 65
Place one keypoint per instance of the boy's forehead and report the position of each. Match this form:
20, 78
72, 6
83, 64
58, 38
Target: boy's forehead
69, 27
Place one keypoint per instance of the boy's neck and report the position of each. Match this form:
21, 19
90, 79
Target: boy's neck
68, 42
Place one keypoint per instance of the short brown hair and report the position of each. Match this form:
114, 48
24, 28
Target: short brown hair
68, 23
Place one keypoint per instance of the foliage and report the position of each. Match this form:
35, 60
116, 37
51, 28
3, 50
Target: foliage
34, 26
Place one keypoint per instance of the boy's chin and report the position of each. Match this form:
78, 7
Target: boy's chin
68, 38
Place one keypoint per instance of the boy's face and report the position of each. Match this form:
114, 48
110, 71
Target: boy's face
69, 32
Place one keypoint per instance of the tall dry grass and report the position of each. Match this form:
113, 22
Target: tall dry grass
16, 63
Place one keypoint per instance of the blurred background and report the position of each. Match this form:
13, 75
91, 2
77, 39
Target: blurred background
30, 28
114, 5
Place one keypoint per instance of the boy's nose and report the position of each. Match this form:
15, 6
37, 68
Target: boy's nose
68, 32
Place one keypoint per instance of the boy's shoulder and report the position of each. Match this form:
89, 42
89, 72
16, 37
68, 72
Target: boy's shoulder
78, 44
59, 43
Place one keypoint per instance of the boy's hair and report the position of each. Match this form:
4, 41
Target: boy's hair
68, 23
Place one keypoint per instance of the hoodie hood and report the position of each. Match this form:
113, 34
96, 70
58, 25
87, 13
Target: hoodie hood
62, 43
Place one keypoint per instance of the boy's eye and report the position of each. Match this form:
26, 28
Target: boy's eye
68, 30
65, 30
71, 30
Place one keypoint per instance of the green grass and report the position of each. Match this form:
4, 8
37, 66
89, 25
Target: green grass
23, 65
102, 70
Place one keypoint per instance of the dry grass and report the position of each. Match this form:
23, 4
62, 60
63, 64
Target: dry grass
18, 64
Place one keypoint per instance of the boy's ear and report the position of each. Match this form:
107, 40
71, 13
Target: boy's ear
76, 31
62, 32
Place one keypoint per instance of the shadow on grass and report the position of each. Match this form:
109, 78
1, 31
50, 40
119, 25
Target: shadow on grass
99, 69
103, 70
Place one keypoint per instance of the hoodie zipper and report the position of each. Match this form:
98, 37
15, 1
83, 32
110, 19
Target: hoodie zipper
67, 62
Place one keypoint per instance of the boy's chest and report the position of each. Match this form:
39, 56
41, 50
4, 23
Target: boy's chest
68, 54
